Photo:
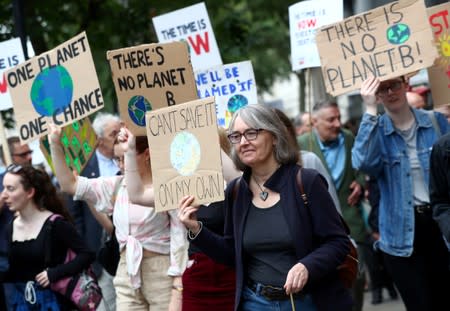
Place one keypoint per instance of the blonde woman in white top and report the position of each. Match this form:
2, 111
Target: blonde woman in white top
153, 245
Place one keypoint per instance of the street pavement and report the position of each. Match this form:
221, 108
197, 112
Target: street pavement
387, 305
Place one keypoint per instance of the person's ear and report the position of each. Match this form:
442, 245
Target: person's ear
30, 193
314, 120
99, 141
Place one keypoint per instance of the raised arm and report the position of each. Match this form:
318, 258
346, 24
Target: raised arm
366, 152
66, 179
137, 193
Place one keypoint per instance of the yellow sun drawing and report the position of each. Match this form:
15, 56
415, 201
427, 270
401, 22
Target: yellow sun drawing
443, 45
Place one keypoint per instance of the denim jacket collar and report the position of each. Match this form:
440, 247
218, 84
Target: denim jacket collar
422, 119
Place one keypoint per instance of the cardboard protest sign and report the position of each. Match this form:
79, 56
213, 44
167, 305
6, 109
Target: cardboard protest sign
439, 74
148, 77
11, 54
192, 25
232, 85
79, 142
305, 18
386, 42
60, 86
185, 153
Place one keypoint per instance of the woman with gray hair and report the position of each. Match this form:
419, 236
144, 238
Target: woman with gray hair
285, 253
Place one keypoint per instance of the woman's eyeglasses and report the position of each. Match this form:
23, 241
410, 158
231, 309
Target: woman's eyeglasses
394, 87
249, 134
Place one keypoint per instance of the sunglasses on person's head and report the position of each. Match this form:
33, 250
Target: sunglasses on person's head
393, 86
14, 168
23, 154
249, 134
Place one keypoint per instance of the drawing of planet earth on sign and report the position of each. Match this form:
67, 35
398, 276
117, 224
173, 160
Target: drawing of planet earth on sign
137, 106
185, 153
52, 90
236, 101
398, 33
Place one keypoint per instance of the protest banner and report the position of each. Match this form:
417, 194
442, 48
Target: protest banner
78, 140
305, 18
192, 25
148, 77
11, 54
387, 42
184, 144
439, 74
59, 86
232, 85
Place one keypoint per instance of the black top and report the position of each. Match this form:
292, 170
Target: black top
319, 237
27, 258
268, 246
212, 216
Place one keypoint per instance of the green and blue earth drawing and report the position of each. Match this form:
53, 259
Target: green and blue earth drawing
185, 153
137, 106
398, 34
235, 102
52, 90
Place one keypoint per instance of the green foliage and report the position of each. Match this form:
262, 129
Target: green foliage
257, 30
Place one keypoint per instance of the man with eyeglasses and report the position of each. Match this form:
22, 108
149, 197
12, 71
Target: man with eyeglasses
395, 148
20, 154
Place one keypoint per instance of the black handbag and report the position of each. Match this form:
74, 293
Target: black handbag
109, 254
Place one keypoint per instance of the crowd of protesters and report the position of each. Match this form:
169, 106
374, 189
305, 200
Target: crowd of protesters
261, 247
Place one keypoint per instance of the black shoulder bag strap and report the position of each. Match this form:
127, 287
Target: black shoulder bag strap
305, 198
48, 225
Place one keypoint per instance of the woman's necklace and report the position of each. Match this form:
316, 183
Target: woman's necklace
263, 194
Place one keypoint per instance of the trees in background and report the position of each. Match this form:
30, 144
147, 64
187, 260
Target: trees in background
245, 29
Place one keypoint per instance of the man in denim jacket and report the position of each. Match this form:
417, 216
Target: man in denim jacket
395, 148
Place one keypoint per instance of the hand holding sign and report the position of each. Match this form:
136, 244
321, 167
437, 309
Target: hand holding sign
127, 139
368, 93
54, 134
187, 214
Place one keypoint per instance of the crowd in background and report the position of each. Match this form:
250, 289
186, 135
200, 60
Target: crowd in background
376, 175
